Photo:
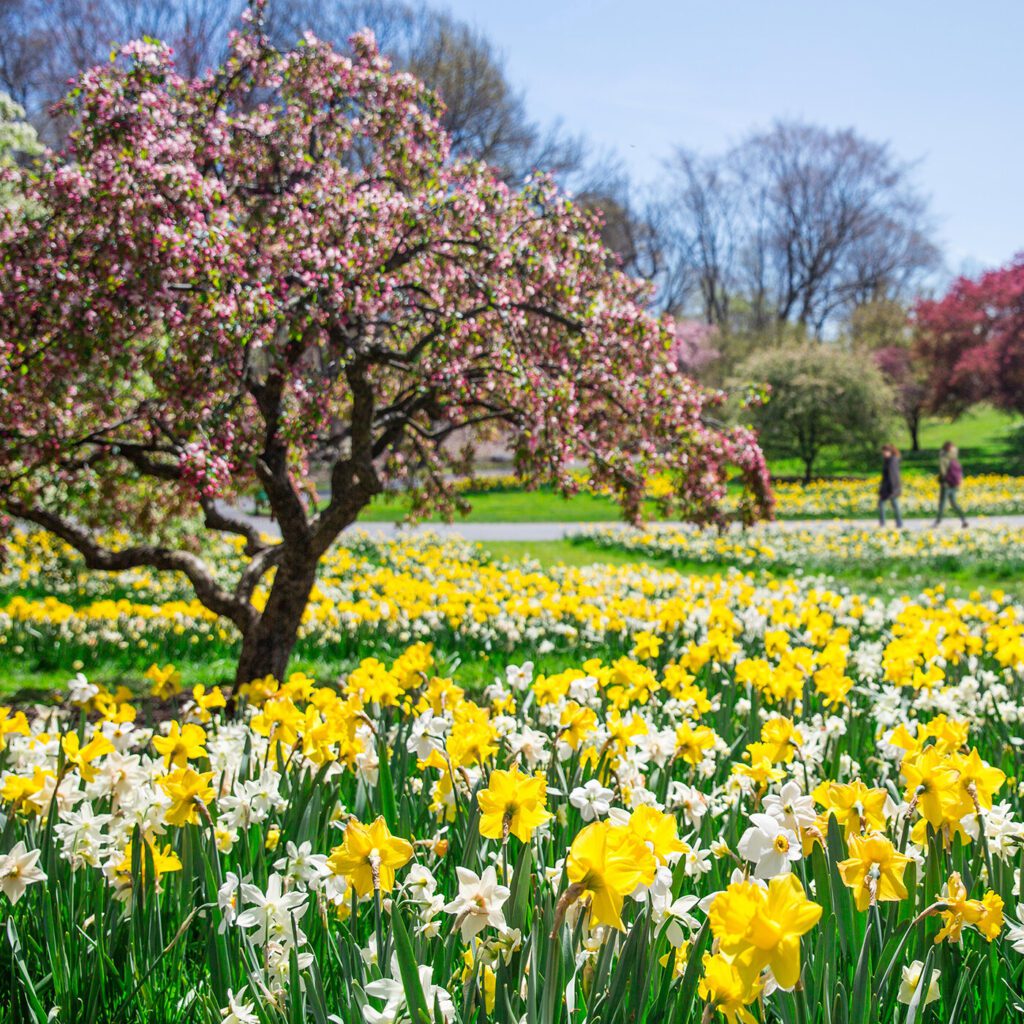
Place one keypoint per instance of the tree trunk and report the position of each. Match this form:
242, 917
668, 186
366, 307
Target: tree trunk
914, 423
267, 646
808, 470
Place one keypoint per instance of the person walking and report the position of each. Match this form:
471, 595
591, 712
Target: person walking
951, 476
891, 486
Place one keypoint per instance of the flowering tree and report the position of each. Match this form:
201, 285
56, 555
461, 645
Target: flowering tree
820, 398
232, 281
693, 345
973, 340
908, 379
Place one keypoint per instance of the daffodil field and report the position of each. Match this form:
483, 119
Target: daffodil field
845, 498
985, 494
996, 552
604, 794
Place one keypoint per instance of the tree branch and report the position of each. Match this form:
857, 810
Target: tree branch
198, 573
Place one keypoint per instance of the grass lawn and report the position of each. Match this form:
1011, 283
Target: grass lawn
518, 506
564, 552
989, 442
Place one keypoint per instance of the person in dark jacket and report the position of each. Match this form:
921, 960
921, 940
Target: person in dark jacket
891, 486
951, 476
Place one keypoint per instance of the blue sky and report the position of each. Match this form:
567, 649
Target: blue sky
943, 82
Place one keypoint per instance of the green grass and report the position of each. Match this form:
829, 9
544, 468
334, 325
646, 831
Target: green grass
513, 506
561, 552
990, 442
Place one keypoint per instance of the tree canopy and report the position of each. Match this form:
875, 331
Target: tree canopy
820, 396
277, 268
972, 340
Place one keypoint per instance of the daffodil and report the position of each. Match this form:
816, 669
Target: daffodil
512, 804
728, 988
761, 927
607, 862
181, 744
187, 788
369, 857
874, 870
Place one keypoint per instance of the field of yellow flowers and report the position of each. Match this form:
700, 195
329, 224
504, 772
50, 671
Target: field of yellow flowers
673, 798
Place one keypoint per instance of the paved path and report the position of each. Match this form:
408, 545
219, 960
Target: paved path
559, 531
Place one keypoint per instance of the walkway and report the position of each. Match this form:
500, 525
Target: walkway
559, 531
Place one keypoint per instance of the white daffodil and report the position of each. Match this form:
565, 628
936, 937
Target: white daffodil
676, 914
273, 912
692, 802
80, 690
519, 677
237, 1012
18, 871
392, 991
427, 734
478, 903
301, 866
911, 982
1015, 936
790, 807
592, 800
227, 901
769, 846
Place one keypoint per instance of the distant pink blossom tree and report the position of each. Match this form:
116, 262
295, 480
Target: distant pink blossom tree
972, 340
693, 345
908, 378
227, 282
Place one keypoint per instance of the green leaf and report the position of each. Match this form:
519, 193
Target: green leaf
408, 967
389, 806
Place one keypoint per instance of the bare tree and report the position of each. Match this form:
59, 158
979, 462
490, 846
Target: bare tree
802, 223
43, 43
703, 207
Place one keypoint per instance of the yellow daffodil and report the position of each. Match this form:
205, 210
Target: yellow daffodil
512, 804
874, 870
369, 857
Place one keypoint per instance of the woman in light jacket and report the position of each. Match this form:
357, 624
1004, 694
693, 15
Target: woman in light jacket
891, 486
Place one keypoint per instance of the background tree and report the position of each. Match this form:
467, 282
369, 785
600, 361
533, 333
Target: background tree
18, 142
797, 225
213, 293
908, 380
972, 339
882, 331
43, 43
821, 397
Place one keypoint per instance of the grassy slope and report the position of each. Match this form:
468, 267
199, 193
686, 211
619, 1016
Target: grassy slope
989, 442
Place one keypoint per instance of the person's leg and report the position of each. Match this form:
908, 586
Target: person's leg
942, 503
896, 512
881, 511
955, 506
